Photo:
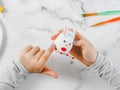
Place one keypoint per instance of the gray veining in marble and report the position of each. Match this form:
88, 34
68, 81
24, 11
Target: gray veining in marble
34, 21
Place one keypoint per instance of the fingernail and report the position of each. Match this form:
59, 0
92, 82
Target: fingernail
52, 45
75, 42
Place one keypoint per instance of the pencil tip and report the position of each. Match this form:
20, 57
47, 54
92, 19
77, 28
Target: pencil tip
84, 15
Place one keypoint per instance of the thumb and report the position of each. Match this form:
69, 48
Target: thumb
49, 72
78, 43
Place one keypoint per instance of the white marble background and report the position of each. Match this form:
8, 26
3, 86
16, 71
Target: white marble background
34, 21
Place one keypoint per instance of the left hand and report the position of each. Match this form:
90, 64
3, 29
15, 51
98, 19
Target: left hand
34, 60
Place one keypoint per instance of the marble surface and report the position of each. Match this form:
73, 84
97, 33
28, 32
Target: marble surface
1, 35
34, 21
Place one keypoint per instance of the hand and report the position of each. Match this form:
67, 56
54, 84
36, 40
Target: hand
34, 60
82, 49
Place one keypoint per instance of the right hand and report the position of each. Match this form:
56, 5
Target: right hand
82, 49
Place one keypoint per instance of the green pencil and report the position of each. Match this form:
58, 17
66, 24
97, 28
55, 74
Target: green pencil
101, 13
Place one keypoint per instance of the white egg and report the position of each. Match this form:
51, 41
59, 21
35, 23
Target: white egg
64, 42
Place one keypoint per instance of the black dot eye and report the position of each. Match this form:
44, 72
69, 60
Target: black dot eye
69, 43
64, 41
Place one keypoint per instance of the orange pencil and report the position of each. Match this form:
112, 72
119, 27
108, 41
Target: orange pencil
106, 22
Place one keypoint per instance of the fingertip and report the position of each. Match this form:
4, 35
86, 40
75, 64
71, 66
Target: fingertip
52, 38
51, 73
56, 35
52, 47
55, 75
78, 43
27, 48
75, 42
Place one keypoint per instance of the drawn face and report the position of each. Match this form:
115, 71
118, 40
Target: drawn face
64, 42
66, 46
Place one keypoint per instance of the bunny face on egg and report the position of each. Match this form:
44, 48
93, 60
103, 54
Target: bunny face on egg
64, 41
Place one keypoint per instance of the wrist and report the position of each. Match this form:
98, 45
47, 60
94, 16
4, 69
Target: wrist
22, 69
95, 55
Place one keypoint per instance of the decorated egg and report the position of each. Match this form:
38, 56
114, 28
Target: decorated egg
64, 42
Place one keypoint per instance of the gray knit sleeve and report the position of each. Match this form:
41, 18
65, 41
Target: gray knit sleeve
106, 70
11, 75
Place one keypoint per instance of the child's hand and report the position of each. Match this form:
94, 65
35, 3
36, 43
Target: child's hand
34, 60
82, 49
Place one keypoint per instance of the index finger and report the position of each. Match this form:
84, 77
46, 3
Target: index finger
46, 55
56, 35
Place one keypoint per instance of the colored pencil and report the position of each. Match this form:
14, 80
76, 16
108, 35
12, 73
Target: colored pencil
106, 22
101, 13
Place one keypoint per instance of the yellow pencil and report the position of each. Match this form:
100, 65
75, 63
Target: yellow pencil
1, 9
